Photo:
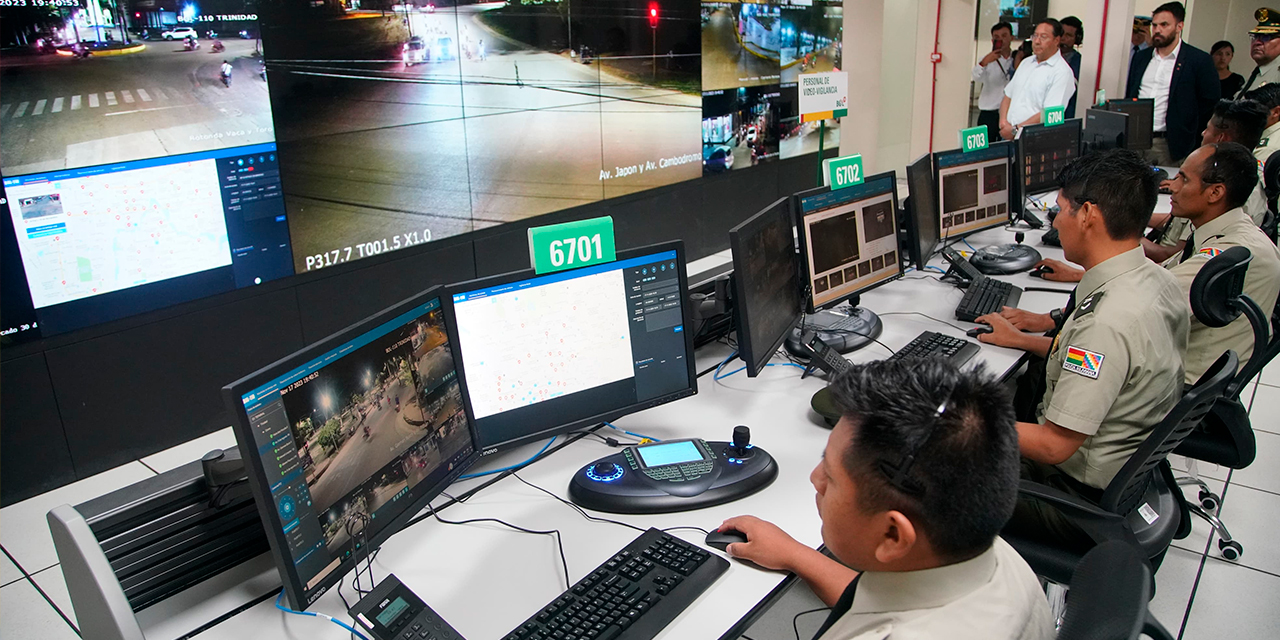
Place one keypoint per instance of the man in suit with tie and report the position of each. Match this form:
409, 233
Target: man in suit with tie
1264, 48
1182, 82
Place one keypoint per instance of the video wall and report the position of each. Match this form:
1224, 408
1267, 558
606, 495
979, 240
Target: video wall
168, 155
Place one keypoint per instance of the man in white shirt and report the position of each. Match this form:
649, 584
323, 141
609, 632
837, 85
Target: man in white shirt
917, 478
1182, 83
1040, 82
994, 71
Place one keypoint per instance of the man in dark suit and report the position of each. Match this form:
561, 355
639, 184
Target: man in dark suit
1182, 82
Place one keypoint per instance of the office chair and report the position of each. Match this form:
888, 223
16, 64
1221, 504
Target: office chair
1109, 595
1141, 505
1271, 186
1226, 436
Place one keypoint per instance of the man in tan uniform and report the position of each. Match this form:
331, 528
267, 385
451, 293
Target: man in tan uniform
1115, 367
1269, 97
1264, 48
1208, 191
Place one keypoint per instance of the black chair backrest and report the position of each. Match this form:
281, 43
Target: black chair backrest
1109, 594
1130, 484
1271, 181
1217, 299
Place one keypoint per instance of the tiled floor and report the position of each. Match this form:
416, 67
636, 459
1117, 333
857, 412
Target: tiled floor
1198, 596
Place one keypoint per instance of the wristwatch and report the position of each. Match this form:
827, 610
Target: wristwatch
1056, 316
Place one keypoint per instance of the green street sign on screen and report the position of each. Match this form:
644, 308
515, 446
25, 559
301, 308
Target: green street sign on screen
1100, 98
1054, 116
973, 138
571, 245
844, 172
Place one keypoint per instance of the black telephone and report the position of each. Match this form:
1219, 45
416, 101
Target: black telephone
822, 356
962, 266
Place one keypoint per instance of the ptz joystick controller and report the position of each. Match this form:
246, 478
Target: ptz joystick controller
742, 442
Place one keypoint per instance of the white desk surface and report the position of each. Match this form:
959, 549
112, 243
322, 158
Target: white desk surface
486, 579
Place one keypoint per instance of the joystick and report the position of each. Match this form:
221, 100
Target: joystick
605, 468
742, 441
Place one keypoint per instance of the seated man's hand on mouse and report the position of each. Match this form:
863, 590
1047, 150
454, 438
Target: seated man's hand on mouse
1026, 320
1059, 271
1003, 333
767, 545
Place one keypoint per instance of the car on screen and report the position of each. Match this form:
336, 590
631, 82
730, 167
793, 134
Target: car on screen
181, 33
717, 158
414, 51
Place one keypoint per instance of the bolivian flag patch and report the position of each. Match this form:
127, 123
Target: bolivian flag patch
1210, 251
1085, 363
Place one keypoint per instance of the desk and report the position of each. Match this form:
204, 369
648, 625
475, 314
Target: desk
486, 579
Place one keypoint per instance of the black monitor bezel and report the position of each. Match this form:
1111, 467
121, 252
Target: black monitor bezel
802, 259
1104, 114
912, 220
1132, 143
1031, 130
1015, 183
755, 363
299, 597
608, 416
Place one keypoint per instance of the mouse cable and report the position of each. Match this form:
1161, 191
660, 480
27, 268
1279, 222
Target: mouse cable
564, 562
316, 614
924, 315
687, 527
582, 512
514, 467
795, 621
1048, 290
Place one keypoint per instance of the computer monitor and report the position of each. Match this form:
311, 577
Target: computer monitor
921, 218
345, 440
766, 285
848, 239
975, 190
1141, 120
540, 355
1045, 151
1105, 130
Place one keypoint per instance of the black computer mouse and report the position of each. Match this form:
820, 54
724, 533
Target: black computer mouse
1039, 271
979, 330
722, 539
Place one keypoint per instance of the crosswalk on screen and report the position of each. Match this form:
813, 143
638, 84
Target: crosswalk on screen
539, 354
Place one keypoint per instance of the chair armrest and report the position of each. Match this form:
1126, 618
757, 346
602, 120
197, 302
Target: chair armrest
1153, 629
1098, 523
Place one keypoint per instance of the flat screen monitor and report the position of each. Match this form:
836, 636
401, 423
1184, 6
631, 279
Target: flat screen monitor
1141, 120
921, 218
92, 244
975, 190
540, 355
347, 439
766, 284
1045, 151
1105, 130
848, 239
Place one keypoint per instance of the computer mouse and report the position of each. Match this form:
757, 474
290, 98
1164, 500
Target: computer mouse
979, 330
722, 539
1039, 271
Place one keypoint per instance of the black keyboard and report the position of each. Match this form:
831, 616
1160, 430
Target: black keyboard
932, 344
633, 595
986, 295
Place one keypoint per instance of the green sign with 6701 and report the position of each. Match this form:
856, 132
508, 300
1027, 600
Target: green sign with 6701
571, 245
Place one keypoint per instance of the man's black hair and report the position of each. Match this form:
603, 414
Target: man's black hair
1179, 12
1002, 25
963, 482
1072, 21
1234, 167
1057, 26
1222, 44
1120, 183
1268, 95
1246, 120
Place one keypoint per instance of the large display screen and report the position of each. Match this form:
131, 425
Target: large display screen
349, 435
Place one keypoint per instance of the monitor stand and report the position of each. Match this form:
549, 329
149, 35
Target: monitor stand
846, 329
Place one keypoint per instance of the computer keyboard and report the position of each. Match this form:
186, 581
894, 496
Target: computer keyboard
632, 596
986, 295
932, 344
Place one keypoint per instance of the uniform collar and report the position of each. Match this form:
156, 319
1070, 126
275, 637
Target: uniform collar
1271, 130
1219, 225
884, 591
1109, 269
1269, 67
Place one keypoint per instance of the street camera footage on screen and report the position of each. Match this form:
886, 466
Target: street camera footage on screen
379, 130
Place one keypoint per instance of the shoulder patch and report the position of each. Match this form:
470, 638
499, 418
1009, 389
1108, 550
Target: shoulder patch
1264, 142
1212, 252
1084, 362
1087, 305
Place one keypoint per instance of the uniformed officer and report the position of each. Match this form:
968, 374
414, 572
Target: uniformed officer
1114, 369
1269, 97
1264, 48
1208, 191
915, 482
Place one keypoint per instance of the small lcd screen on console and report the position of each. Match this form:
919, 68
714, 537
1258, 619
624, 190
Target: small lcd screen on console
392, 612
659, 455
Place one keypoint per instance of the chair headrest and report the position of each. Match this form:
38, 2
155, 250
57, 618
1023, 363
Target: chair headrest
1218, 286
1271, 172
